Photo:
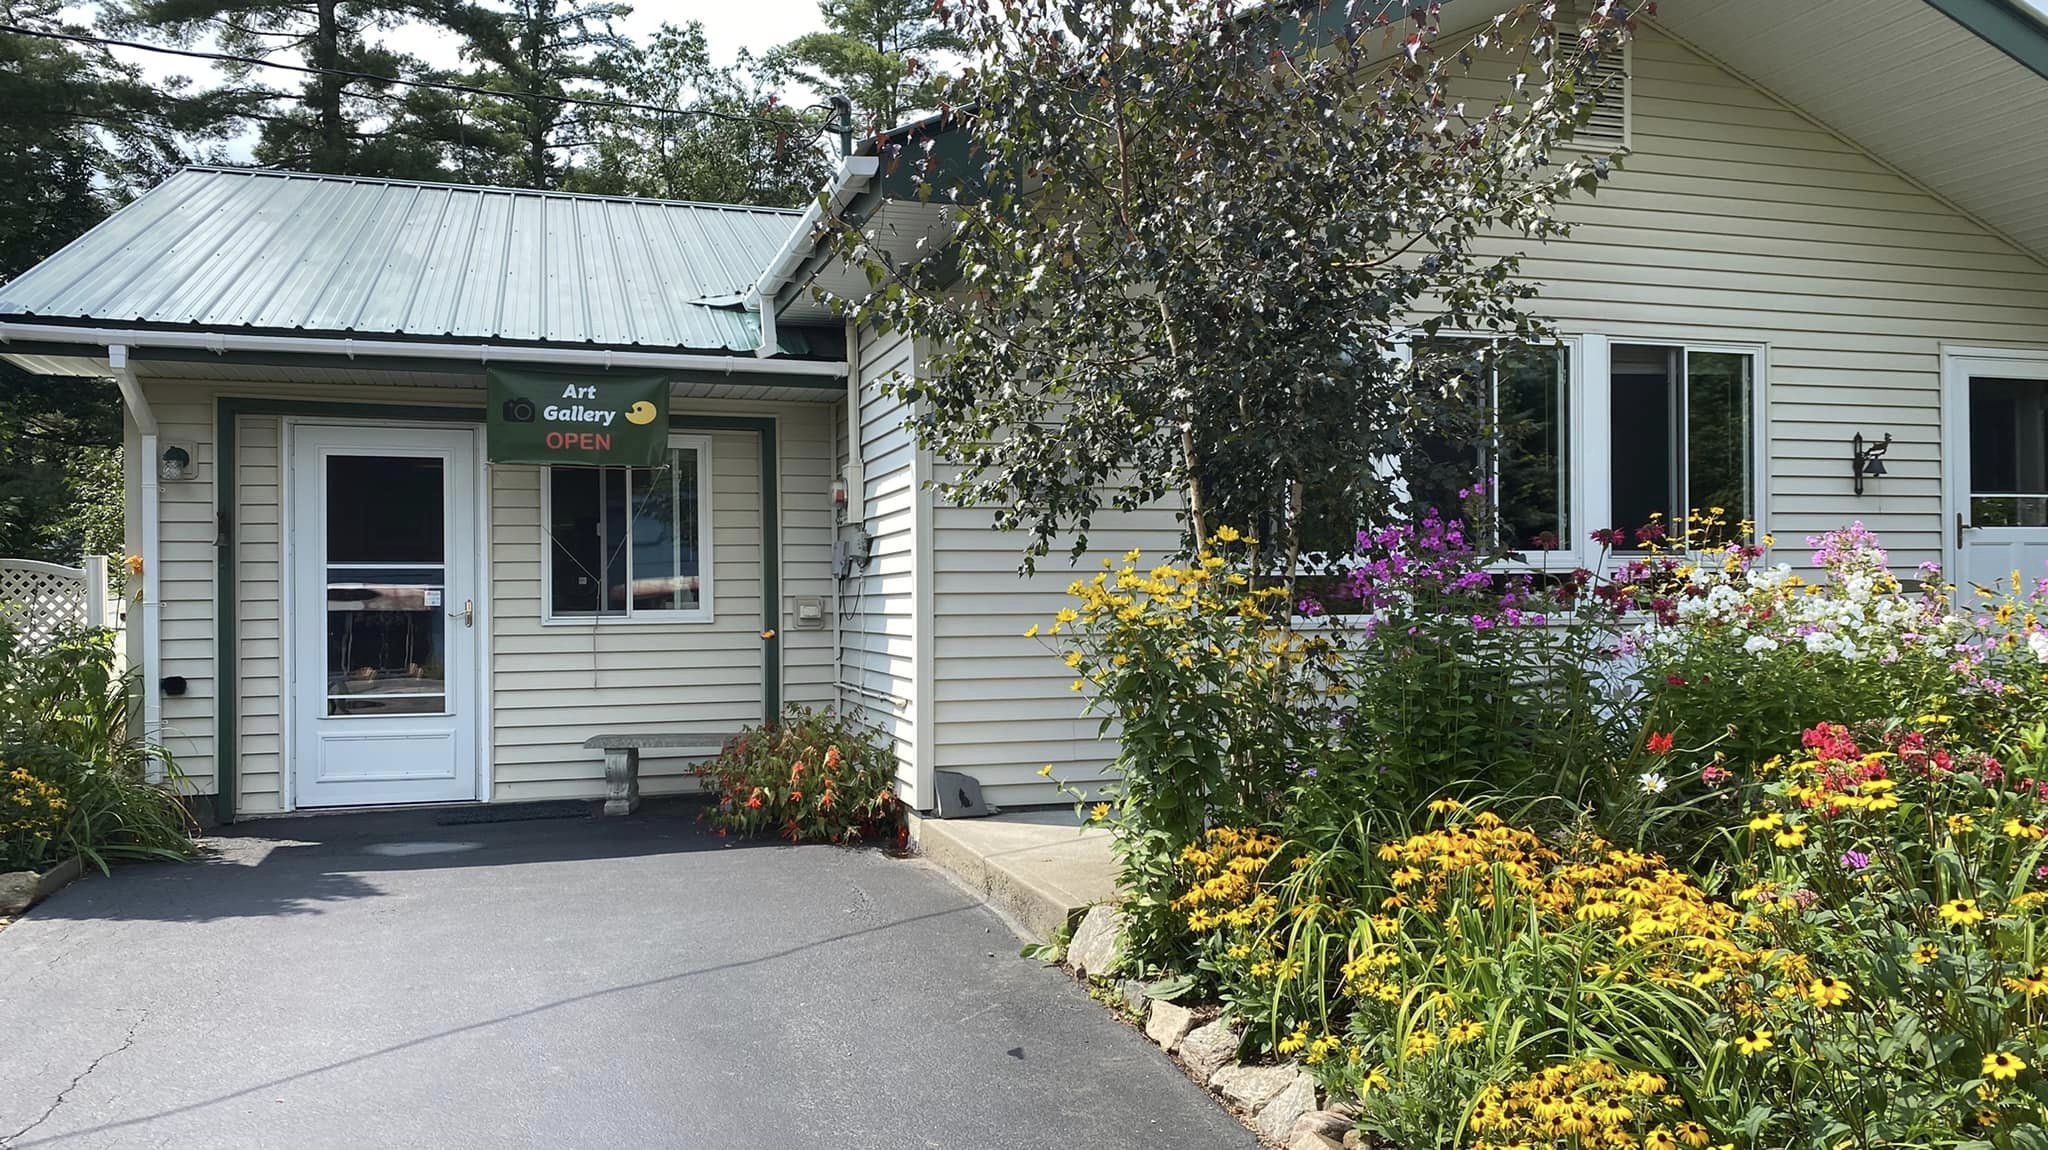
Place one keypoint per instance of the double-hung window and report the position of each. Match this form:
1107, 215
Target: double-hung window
630, 543
1551, 443
1681, 437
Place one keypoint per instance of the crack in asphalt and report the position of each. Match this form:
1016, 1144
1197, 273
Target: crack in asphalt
81, 1076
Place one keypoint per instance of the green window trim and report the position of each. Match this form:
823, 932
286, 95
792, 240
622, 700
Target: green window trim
229, 409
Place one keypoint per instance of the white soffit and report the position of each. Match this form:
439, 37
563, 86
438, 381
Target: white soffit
1903, 80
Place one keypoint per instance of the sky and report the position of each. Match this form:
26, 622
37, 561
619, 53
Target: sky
729, 25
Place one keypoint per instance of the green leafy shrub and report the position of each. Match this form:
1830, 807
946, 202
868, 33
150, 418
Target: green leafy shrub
1417, 975
1892, 886
71, 764
1217, 705
813, 776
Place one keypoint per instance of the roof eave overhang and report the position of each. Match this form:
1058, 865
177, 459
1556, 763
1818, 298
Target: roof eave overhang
46, 336
2005, 26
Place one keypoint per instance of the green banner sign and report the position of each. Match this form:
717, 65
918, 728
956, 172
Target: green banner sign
587, 420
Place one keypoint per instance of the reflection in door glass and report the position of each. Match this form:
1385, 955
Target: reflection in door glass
2008, 452
385, 636
386, 586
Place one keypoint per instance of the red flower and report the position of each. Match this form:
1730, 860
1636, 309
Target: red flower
1675, 680
1659, 742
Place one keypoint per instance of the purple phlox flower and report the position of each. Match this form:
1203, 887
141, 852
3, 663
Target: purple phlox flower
1854, 860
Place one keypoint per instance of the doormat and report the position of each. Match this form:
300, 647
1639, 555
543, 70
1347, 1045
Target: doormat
518, 813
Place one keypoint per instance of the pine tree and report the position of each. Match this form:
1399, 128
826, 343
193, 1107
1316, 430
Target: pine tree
536, 51
328, 122
82, 133
740, 143
881, 54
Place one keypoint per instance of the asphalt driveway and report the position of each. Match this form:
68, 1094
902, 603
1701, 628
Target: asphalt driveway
392, 980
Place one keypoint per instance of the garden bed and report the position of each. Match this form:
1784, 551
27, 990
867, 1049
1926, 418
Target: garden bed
1700, 854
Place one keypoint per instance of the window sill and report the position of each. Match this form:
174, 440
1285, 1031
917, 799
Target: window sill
642, 620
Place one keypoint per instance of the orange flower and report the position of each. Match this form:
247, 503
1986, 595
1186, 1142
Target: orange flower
1660, 742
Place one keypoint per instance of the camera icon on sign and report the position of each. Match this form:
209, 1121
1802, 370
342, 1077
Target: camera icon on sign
518, 410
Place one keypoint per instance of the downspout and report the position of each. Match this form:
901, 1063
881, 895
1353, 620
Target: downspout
149, 524
856, 514
854, 174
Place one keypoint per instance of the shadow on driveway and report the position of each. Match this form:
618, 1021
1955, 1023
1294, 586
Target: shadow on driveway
286, 866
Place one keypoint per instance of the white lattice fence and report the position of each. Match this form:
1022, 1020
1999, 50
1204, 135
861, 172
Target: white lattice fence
39, 601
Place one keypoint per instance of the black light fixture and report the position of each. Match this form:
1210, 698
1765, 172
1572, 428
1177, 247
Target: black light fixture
1867, 462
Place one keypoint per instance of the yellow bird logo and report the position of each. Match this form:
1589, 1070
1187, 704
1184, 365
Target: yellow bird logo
640, 414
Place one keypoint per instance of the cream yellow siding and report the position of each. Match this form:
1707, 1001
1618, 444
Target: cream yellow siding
553, 686
185, 570
1737, 219
878, 659
259, 642
1004, 704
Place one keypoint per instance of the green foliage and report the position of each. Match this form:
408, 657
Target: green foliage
1130, 248
1842, 948
881, 54
60, 467
814, 776
728, 156
1895, 876
82, 132
326, 122
69, 757
1215, 704
531, 50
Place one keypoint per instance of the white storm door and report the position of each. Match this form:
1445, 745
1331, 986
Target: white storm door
1998, 468
383, 615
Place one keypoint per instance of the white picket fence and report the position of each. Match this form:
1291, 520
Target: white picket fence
40, 601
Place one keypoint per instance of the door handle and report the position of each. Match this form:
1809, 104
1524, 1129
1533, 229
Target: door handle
467, 614
1960, 528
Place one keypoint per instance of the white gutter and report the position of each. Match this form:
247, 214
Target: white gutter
854, 174
220, 343
149, 518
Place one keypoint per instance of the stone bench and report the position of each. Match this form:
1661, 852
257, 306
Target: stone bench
622, 762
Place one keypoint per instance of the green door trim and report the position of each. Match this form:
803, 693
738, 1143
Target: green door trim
228, 409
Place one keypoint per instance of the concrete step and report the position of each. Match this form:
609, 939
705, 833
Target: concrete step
1040, 869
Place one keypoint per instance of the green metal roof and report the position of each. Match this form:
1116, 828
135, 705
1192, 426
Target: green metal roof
228, 249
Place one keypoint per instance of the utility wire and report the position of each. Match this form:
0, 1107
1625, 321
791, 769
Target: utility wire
441, 85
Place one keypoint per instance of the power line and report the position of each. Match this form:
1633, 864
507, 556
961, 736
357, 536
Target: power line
440, 85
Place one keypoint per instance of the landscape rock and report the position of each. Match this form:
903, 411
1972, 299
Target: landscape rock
1277, 1117
17, 890
22, 889
1353, 1140
1134, 996
1333, 1124
1310, 1140
1253, 1086
1207, 1048
1093, 951
1168, 1024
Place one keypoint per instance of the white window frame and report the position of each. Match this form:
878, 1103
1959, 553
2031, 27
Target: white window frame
1592, 441
1574, 548
704, 612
